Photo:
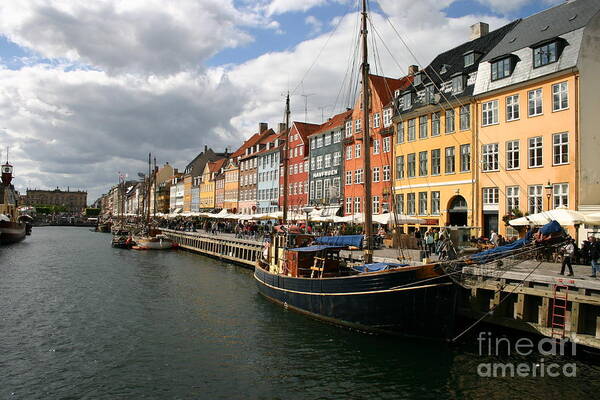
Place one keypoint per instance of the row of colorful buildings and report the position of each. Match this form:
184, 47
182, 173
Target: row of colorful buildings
505, 123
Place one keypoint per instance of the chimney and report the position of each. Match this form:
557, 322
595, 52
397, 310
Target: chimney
413, 69
281, 127
205, 148
478, 30
262, 126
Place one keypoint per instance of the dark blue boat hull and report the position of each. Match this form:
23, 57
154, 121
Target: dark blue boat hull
392, 302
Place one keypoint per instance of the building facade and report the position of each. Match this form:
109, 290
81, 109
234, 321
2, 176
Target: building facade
249, 169
72, 200
326, 165
381, 93
268, 174
434, 174
231, 185
537, 107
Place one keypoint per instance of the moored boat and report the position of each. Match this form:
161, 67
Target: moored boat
158, 242
12, 228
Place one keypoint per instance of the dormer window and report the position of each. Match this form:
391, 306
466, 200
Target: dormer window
407, 101
444, 69
417, 80
502, 68
545, 54
429, 92
469, 59
458, 83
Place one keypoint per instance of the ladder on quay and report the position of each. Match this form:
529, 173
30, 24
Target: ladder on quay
559, 310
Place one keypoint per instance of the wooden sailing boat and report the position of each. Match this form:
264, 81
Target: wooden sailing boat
308, 275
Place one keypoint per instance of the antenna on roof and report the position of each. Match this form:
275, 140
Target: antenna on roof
306, 96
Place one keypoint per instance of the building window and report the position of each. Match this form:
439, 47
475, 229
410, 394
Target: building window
358, 176
490, 196
560, 96
376, 120
319, 142
458, 84
327, 160
535, 152
337, 136
319, 162
535, 102
501, 68
545, 54
411, 161
512, 155
337, 158
400, 132
423, 163
450, 160
489, 113
436, 162
313, 143
450, 121
422, 203
375, 204
357, 125
535, 198
348, 132
465, 117
376, 174
348, 205
312, 190
512, 107
423, 127
386, 173
327, 139
435, 124
489, 154
400, 204
561, 194
348, 178
319, 190
469, 59
376, 146
412, 135
465, 157
407, 101
387, 144
435, 203
512, 198
387, 117
400, 167
357, 149
560, 148
410, 203
357, 204
326, 187
348, 153
429, 94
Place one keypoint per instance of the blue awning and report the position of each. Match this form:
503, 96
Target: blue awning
316, 248
341, 241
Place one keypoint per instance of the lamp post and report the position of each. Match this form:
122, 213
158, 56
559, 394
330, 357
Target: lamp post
307, 210
548, 189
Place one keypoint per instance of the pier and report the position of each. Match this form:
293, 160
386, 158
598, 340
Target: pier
225, 247
541, 302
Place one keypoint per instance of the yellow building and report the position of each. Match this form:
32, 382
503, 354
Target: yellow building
434, 173
535, 141
230, 198
207, 190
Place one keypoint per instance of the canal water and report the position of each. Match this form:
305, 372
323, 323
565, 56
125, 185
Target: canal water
81, 320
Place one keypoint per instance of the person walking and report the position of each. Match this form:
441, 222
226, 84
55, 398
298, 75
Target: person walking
568, 250
594, 255
429, 242
494, 238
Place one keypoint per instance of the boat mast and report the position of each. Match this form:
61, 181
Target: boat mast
285, 157
368, 253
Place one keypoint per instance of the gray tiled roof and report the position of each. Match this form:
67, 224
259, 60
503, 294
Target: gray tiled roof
545, 25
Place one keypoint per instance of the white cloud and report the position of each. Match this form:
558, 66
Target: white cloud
315, 25
508, 6
149, 36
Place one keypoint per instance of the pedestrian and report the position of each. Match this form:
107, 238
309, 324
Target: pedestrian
568, 250
494, 238
430, 242
594, 255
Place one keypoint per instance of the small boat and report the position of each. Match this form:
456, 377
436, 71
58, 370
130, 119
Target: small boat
158, 242
122, 240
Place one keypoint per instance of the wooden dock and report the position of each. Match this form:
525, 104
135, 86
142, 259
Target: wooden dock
240, 251
524, 300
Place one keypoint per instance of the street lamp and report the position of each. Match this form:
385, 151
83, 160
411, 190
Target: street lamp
548, 189
307, 210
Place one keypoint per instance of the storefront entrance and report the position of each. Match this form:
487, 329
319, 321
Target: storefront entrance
457, 211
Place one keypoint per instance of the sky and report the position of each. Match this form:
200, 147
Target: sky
88, 89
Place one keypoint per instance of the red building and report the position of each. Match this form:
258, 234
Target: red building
382, 91
297, 167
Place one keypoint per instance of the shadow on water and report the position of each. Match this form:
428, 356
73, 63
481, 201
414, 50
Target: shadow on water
82, 320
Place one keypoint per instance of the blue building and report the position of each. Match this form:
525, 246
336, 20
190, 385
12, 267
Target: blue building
268, 174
